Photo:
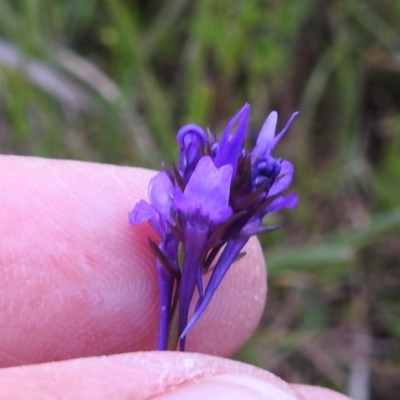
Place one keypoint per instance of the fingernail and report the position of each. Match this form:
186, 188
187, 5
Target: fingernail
227, 386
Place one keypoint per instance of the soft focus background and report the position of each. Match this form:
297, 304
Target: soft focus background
113, 80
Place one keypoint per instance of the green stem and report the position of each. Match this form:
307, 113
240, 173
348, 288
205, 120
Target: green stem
173, 334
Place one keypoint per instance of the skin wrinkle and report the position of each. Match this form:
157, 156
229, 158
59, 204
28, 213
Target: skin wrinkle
81, 279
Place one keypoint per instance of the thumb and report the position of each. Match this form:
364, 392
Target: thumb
148, 375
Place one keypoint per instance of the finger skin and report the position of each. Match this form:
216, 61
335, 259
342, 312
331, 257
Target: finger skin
318, 393
149, 375
78, 280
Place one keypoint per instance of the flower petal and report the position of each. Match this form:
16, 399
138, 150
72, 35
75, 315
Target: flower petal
284, 179
207, 190
267, 140
266, 136
191, 139
289, 201
190, 133
142, 212
228, 255
160, 193
283, 131
231, 146
195, 240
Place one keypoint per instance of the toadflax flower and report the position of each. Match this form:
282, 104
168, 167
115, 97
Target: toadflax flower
204, 210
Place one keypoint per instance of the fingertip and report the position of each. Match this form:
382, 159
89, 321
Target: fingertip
80, 280
77, 277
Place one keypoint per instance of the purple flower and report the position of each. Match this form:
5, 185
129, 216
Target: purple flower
205, 209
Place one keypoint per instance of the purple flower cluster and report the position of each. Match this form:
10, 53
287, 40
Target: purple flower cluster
205, 209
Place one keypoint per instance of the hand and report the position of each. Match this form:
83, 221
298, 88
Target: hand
78, 281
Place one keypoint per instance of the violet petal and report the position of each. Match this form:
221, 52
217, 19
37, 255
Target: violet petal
207, 190
228, 255
142, 212
195, 239
266, 136
284, 130
230, 146
290, 201
160, 193
284, 179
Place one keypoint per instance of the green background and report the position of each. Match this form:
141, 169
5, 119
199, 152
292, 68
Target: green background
112, 81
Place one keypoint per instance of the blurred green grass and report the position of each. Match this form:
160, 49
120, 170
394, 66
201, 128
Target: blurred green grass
112, 81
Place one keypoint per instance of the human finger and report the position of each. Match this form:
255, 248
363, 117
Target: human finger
78, 280
147, 375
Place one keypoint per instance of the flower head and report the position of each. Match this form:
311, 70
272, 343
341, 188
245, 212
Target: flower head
205, 209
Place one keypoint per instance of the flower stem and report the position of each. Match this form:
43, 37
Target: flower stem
173, 332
